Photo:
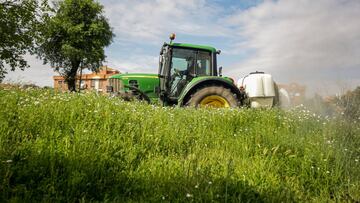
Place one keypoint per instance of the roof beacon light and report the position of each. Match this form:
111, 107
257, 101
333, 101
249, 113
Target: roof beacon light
172, 37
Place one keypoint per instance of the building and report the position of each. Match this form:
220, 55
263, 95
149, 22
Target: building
93, 81
296, 92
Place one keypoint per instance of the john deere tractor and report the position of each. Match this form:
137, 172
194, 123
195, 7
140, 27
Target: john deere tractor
188, 76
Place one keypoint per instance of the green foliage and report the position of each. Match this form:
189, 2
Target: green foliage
346, 105
350, 103
84, 147
18, 24
318, 105
74, 35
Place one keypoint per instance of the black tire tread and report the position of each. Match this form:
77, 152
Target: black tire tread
213, 90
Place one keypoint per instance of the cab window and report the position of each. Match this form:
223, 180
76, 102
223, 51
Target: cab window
203, 63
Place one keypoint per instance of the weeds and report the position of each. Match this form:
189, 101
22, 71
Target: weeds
73, 147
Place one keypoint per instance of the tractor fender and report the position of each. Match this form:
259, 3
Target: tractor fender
200, 82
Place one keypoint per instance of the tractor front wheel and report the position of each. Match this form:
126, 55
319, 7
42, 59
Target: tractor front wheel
213, 96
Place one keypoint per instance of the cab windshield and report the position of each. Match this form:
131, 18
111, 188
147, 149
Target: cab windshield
185, 65
192, 62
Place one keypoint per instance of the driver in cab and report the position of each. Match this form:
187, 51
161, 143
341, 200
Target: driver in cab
190, 70
189, 74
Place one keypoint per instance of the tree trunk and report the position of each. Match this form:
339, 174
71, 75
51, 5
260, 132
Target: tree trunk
71, 76
71, 83
80, 79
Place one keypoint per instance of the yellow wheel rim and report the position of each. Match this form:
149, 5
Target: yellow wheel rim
214, 101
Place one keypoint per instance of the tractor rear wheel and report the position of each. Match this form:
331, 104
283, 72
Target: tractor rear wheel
213, 96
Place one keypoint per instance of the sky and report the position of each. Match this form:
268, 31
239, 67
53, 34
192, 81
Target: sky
313, 43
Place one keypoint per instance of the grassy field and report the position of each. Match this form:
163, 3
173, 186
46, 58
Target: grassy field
85, 147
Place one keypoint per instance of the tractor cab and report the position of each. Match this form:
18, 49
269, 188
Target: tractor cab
187, 76
180, 63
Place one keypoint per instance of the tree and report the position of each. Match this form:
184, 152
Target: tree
350, 103
18, 23
74, 37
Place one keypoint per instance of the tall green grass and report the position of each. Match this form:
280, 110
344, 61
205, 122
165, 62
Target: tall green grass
85, 147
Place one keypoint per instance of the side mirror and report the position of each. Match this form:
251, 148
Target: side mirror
220, 71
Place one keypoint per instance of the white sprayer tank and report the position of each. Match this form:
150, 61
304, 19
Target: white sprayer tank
260, 89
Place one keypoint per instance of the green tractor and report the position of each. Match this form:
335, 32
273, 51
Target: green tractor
188, 76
